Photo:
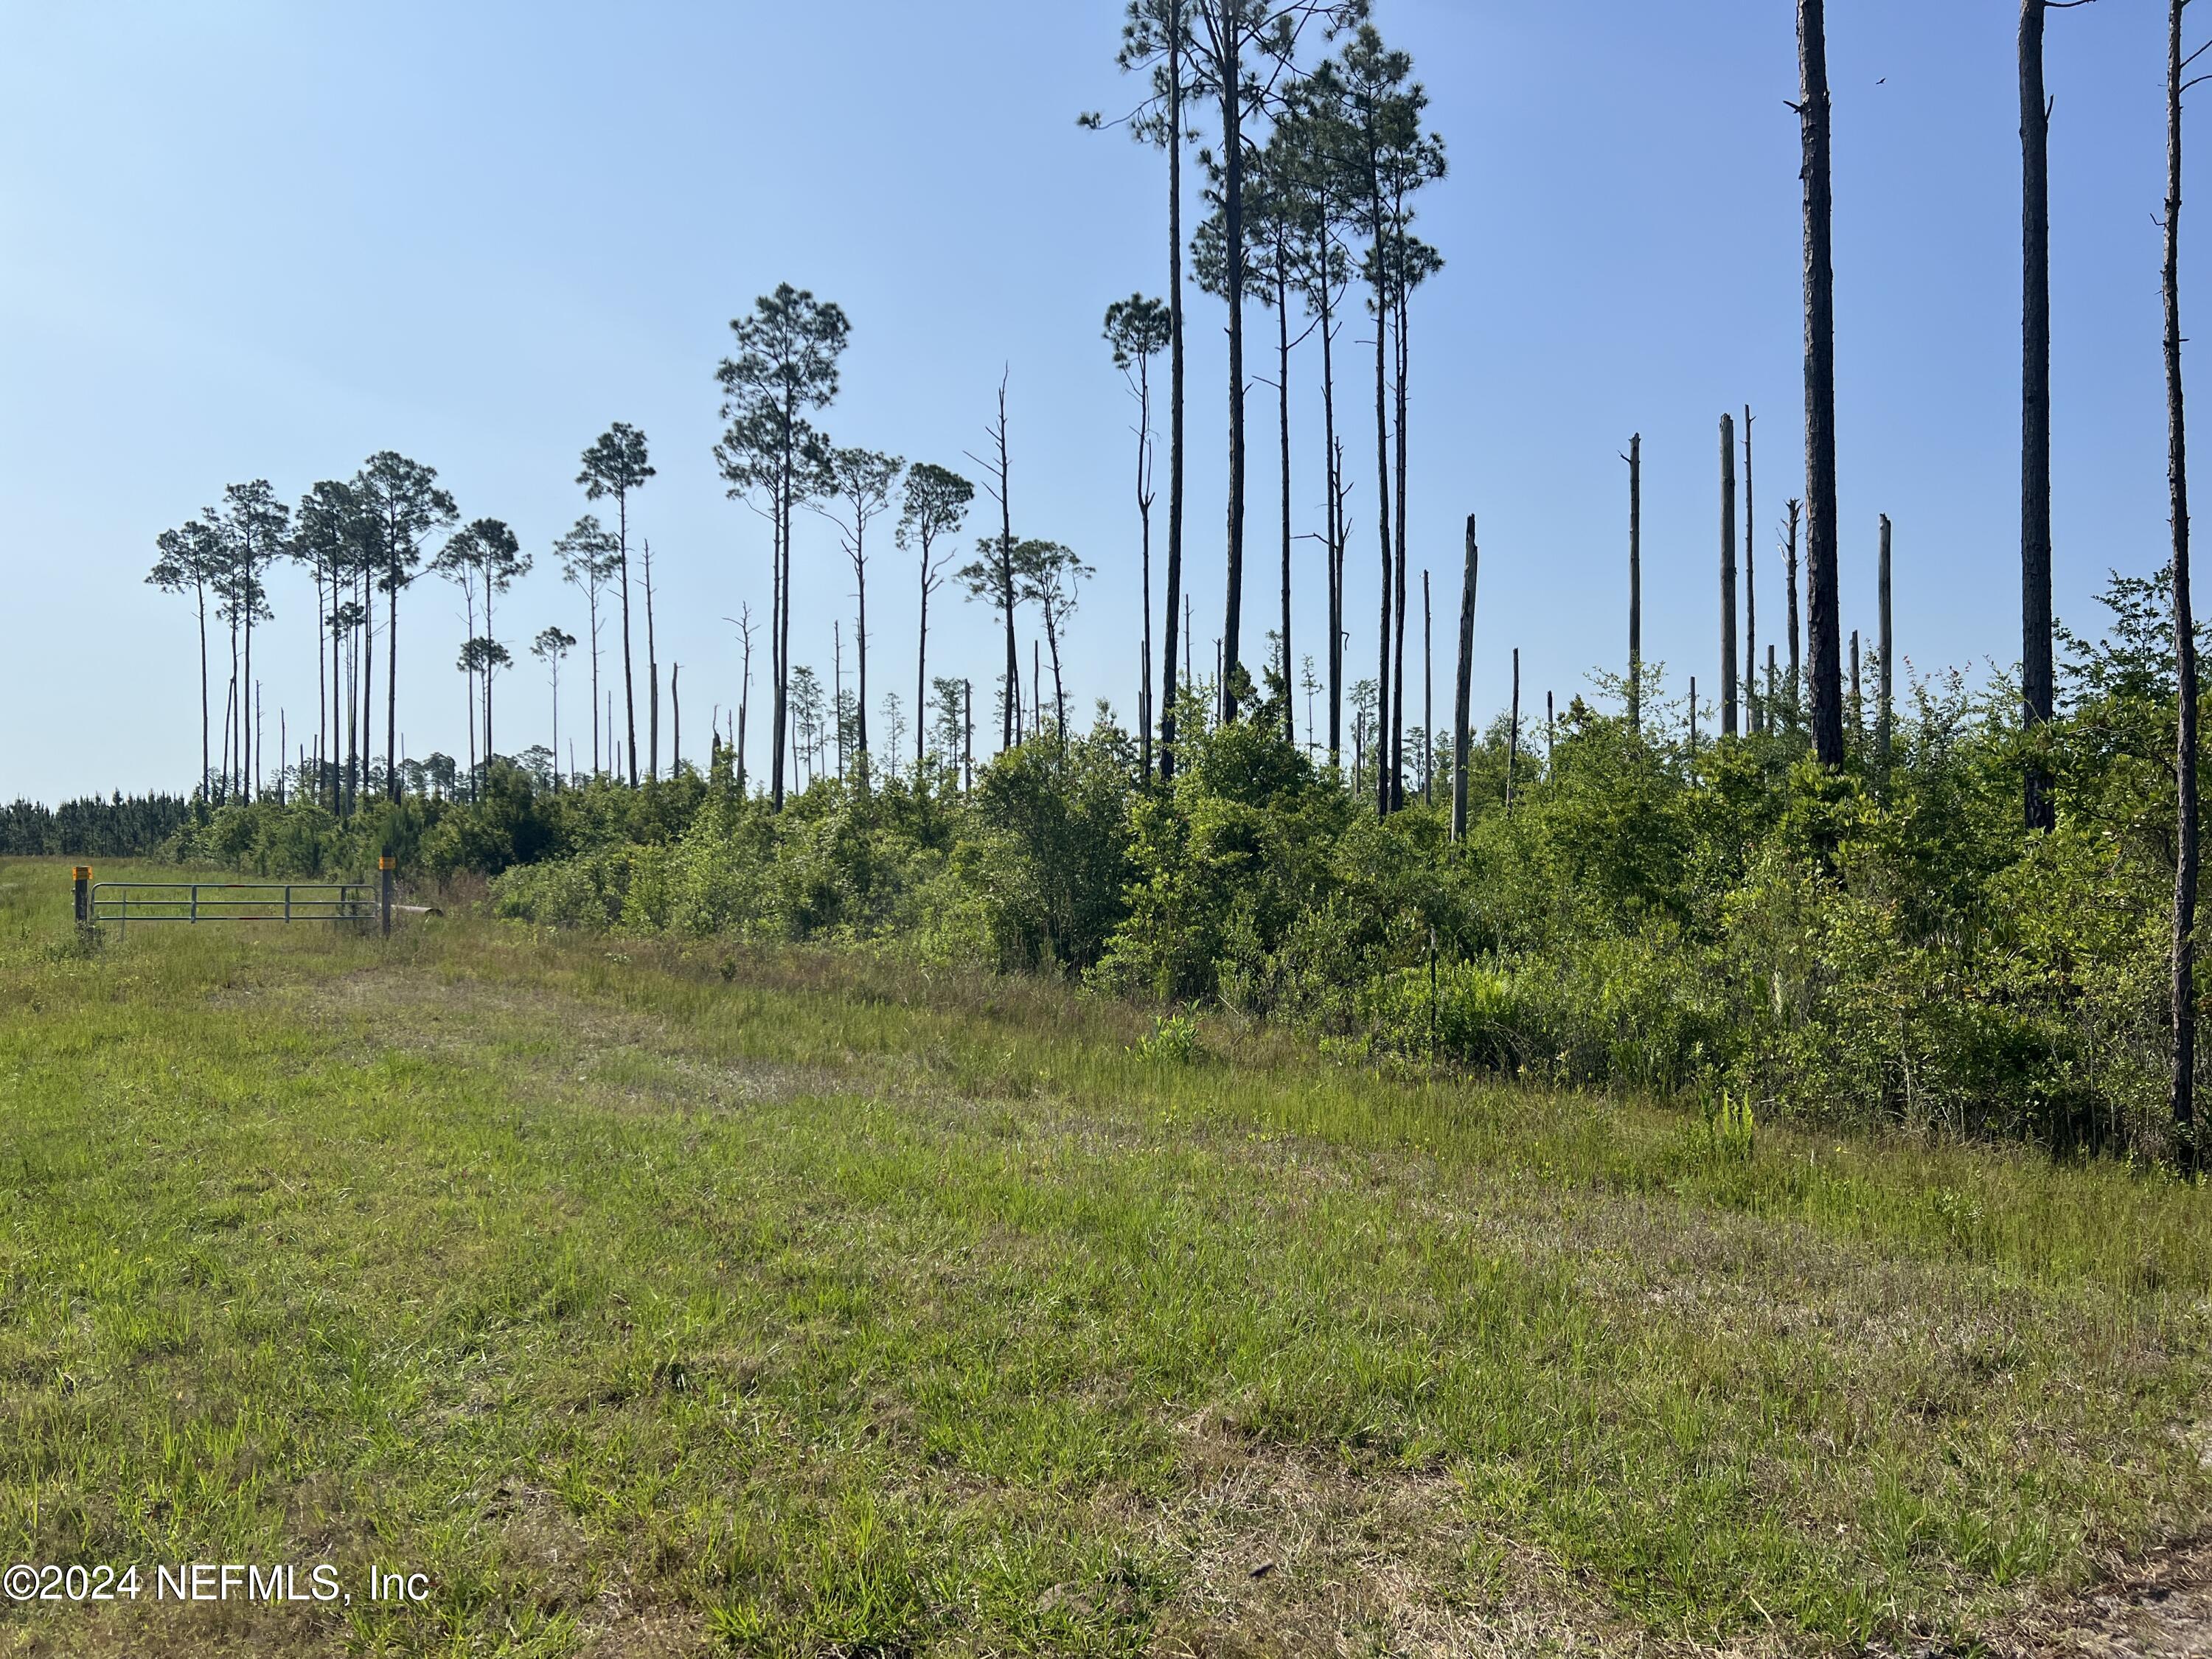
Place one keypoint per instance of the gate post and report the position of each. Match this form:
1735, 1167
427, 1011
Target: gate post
384, 867
81, 880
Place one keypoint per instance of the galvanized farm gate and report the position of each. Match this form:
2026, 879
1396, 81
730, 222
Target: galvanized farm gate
123, 903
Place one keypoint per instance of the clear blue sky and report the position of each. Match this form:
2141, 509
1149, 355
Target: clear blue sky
264, 240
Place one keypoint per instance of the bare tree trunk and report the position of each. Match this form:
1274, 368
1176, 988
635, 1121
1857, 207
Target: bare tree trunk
392, 688
322, 704
1513, 733
1228, 29
1382, 705
367, 679
860, 641
1884, 685
1789, 573
490, 668
355, 708
1635, 459
1059, 687
199, 605
2036, 678
1858, 703
1332, 458
1728, 682
630, 678
245, 726
1283, 409
1173, 596
1819, 386
1144, 518
779, 635
921, 666
676, 712
1428, 697
652, 676
2183, 1088
1012, 723
1398, 668
1753, 716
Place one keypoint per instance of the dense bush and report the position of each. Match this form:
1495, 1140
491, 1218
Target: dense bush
1879, 944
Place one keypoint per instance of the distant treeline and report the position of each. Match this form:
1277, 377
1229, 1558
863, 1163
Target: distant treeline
118, 826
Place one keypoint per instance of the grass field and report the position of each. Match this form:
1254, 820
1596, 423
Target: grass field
652, 1300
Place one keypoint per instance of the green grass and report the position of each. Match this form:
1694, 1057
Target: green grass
654, 1298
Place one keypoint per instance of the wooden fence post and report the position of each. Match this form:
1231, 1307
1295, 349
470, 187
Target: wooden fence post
384, 867
81, 880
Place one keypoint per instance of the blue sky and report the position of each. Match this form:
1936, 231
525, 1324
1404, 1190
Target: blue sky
261, 240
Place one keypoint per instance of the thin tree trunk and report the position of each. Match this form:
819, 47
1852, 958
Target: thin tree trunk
249, 778
591, 606
1513, 733
199, 605
1820, 384
1754, 715
779, 637
921, 666
322, 700
1789, 573
392, 688
1144, 524
468, 684
490, 668
1383, 523
231, 767
1463, 688
1333, 461
860, 645
355, 708
2183, 1088
676, 717
1428, 696
630, 678
1728, 577
1398, 663
744, 710
1058, 688
1883, 713
1636, 583
1858, 703
2036, 678
1011, 720
652, 676
1175, 392
1283, 409
1229, 15
229, 730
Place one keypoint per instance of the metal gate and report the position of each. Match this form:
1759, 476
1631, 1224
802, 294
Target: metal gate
194, 901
